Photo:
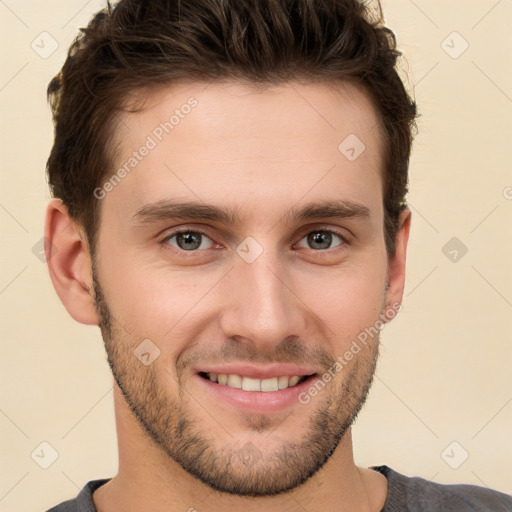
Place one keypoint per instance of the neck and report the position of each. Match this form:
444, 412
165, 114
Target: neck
149, 480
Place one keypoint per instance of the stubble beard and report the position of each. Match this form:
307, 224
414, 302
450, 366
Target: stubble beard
238, 470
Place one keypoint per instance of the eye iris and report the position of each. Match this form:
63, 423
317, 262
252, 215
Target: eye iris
188, 241
321, 238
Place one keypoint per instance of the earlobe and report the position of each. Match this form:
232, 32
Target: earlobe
69, 263
396, 264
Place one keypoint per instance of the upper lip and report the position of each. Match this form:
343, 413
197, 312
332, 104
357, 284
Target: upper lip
267, 371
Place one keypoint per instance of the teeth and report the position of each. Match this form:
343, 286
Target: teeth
270, 384
282, 382
293, 380
250, 384
234, 381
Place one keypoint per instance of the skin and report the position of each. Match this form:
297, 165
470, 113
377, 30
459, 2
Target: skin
260, 152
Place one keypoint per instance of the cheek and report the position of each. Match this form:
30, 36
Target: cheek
154, 301
347, 300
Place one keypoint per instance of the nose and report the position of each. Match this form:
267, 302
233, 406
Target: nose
262, 306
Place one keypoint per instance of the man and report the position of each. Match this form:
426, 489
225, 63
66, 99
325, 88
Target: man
229, 182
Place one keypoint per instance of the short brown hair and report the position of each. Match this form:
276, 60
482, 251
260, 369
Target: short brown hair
139, 44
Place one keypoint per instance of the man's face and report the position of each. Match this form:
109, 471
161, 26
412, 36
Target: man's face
264, 294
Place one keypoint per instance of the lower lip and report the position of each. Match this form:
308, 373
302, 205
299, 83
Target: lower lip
257, 401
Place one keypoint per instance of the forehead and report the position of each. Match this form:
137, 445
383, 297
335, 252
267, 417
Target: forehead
206, 141
249, 111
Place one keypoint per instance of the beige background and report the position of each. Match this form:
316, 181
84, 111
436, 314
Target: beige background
445, 372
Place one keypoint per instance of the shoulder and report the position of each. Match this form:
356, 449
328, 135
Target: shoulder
416, 494
83, 502
65, 506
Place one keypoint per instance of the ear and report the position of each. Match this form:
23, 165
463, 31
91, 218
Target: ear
396, 265
69, 263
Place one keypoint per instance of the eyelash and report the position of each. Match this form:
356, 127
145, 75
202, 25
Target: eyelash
171, 235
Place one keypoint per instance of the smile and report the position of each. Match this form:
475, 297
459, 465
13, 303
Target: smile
251, 384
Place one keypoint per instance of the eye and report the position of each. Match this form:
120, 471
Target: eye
189, 240
322, 239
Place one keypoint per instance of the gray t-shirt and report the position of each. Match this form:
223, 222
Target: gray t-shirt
405, 494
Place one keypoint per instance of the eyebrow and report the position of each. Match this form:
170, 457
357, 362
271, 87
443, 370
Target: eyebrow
173, 209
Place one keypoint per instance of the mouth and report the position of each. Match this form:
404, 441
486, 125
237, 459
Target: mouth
253, 388
251, 384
